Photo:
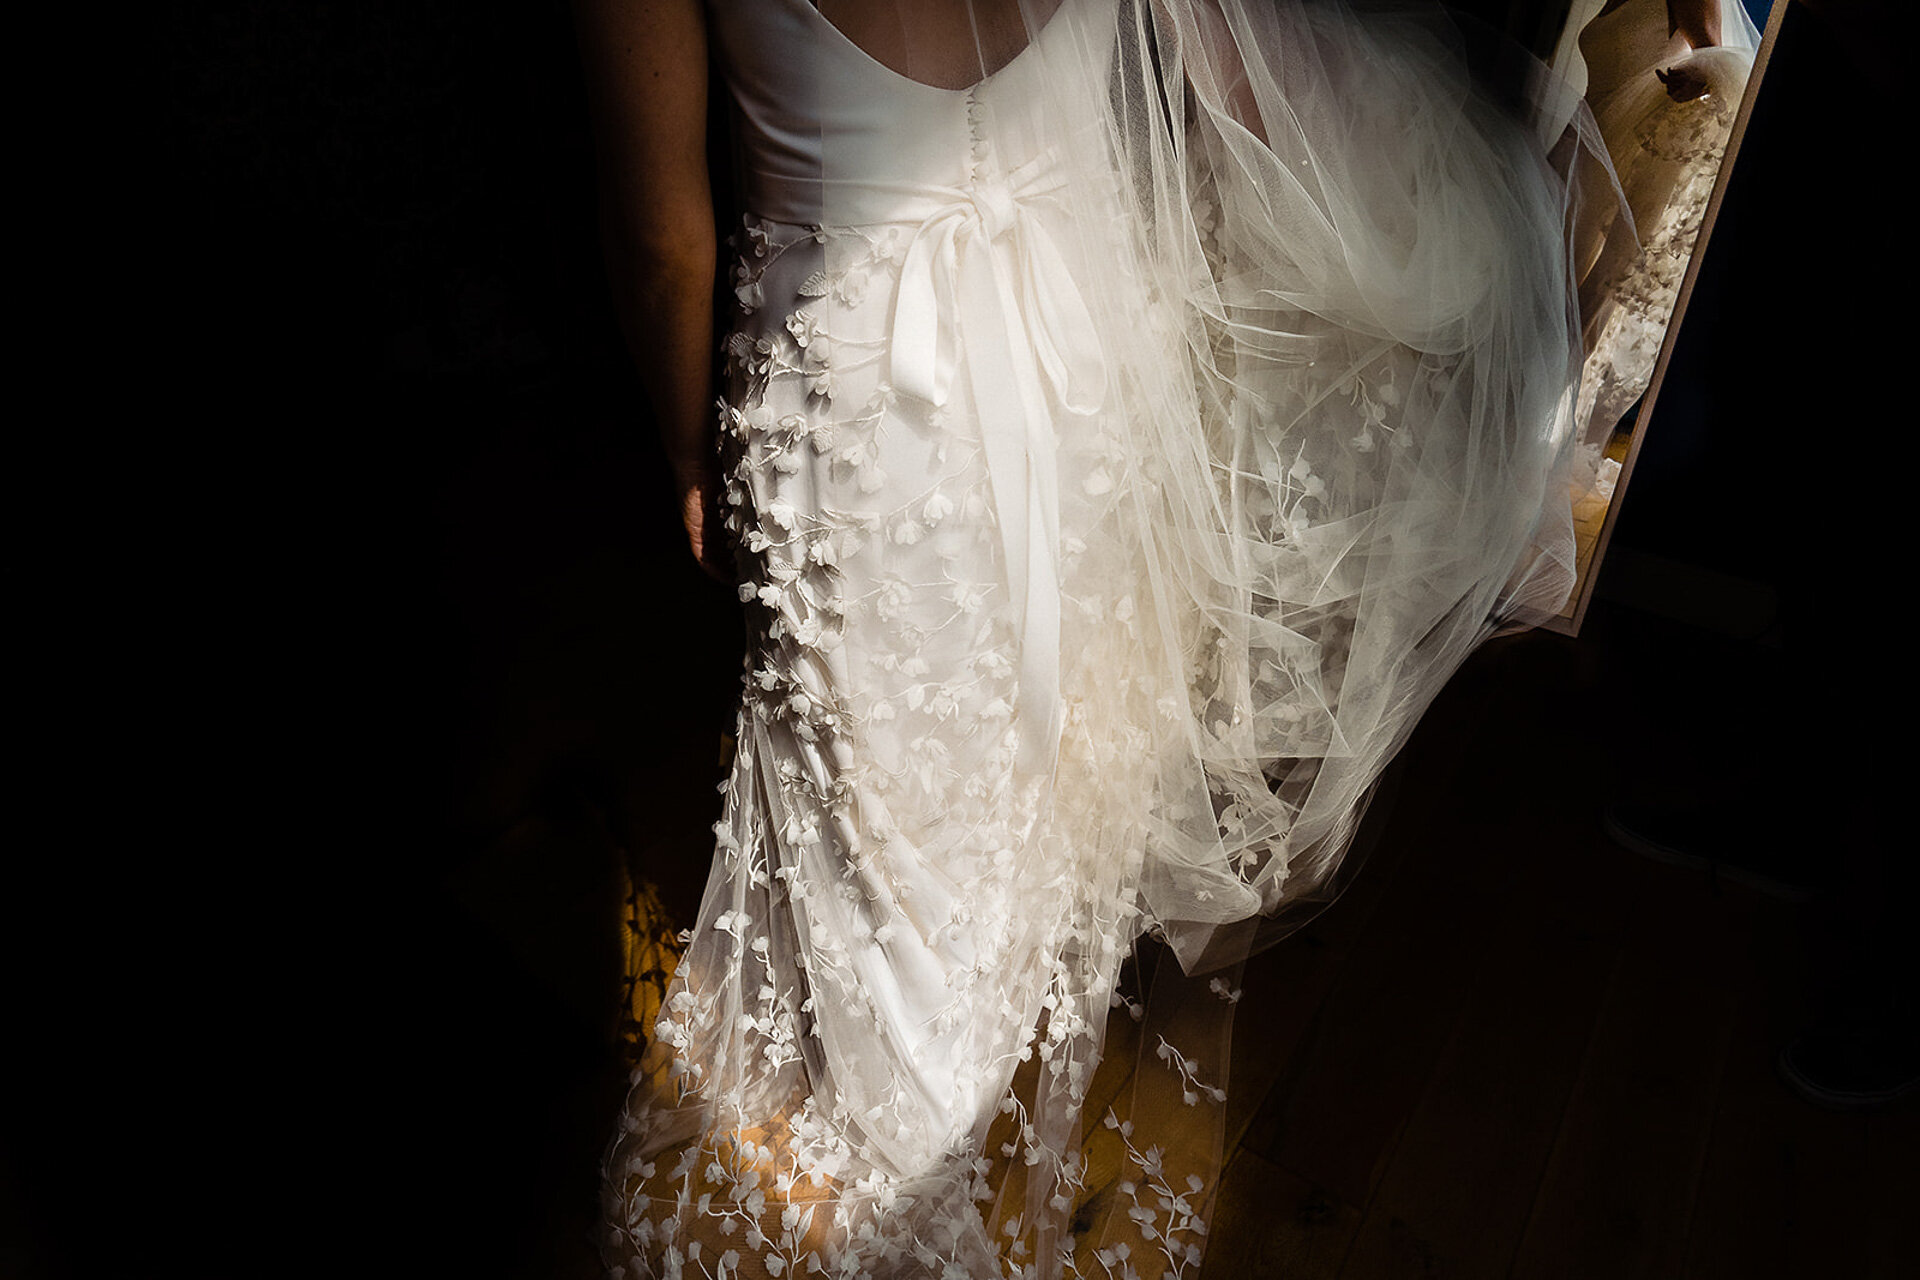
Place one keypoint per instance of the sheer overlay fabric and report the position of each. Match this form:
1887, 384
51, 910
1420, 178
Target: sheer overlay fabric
1136, 410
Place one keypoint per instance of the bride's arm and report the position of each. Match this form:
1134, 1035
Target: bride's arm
646, 65
1696, 20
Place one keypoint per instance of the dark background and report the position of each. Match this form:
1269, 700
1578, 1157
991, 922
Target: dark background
405, 565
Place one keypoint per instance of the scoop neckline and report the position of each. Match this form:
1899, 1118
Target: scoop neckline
902, 77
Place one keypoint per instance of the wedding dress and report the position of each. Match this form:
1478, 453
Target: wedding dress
1136, 410
1665, 112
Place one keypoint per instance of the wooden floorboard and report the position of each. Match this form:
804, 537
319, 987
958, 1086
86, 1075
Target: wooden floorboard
1890, 1185
1272, 1224
1287, 984
1618, 1193
1456, 1194
1335, 1114
1336, 1110
1783, 1192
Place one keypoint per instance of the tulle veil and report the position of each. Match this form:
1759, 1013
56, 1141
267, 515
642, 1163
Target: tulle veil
1301, 322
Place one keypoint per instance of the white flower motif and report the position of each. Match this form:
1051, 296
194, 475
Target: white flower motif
804, 326
893, 598
821, 380
851, 288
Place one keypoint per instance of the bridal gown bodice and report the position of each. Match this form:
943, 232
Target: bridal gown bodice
1078, 609
825, 130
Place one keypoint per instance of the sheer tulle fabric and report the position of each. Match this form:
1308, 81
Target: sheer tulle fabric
1137, 411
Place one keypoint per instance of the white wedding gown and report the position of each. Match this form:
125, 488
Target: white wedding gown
1118, 471
1632, 256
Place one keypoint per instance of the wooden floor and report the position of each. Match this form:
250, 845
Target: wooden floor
1512, 1049
1516, 1050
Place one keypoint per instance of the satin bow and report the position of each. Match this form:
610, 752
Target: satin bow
984, 279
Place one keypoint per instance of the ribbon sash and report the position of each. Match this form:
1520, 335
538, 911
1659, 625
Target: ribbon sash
984, 266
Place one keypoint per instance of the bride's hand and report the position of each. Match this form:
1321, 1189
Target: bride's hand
1683, 85
1698, 23
706, 533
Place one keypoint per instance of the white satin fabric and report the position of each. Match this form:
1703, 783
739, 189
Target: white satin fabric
1122, 451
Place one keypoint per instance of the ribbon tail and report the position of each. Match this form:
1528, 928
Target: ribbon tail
1017, 436
1063, 333
923, 344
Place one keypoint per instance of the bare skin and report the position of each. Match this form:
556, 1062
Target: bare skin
646, 67
1697, 21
